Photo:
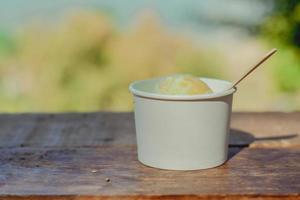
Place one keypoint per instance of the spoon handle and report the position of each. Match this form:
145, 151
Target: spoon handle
266, 57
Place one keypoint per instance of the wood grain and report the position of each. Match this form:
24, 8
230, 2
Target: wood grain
96, 129
92, 156
71, 172
270, 129
153, 197
66, 130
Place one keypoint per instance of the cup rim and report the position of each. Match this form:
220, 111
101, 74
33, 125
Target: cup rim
152, 95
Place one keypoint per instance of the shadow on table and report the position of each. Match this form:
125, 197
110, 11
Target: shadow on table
241, 139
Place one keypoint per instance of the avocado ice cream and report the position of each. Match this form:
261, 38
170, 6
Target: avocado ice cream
182, 84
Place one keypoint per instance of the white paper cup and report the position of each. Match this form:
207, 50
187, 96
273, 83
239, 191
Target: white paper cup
182, 132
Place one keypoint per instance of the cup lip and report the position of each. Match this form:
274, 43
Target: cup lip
158, 96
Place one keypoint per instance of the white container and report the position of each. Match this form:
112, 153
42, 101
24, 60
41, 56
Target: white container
182, 132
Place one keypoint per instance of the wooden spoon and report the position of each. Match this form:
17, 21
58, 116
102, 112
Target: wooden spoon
266, 57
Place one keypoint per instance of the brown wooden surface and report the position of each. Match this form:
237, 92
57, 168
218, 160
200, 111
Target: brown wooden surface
93, 156
94, 129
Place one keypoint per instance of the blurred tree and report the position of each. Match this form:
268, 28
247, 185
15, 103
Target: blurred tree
84, 63
7, 45
282, 28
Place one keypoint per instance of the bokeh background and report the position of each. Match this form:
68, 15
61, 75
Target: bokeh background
63, 55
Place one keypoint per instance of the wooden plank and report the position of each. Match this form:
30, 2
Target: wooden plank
153, 197
115, 172
269, 129
96, 129
66, 130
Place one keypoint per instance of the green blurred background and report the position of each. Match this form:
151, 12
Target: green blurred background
62, 55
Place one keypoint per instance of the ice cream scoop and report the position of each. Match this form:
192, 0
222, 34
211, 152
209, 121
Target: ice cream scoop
185, 84
182, 84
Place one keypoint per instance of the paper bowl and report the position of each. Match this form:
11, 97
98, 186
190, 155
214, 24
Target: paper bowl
182, 132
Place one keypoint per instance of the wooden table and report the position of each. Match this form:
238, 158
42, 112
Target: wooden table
91, 156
